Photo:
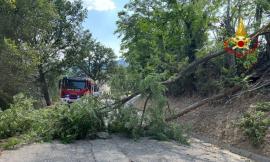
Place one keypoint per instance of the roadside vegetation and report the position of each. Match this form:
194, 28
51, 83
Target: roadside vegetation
256, 123
23, 124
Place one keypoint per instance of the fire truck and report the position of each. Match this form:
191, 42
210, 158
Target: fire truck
72, 89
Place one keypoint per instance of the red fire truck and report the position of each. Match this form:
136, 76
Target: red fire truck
72, 89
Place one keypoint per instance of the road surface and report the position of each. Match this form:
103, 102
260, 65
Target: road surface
120, 149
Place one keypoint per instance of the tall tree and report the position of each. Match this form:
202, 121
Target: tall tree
91, 58
52, 44
18, 23
263, 11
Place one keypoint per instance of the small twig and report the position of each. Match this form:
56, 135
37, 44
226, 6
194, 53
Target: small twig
255, 85
261, 78
259, 87
238, 95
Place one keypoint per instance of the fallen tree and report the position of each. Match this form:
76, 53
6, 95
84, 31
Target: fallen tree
205, 101
230, 92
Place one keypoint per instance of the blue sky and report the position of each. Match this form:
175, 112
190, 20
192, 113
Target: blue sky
101, 21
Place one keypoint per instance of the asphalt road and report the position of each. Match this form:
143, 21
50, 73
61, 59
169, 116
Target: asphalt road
120, 149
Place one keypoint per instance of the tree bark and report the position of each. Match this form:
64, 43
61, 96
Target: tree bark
267, 37
258, 16
44, 87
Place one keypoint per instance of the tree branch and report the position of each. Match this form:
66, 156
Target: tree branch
144, 108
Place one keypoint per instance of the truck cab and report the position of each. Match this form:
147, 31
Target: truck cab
72, 89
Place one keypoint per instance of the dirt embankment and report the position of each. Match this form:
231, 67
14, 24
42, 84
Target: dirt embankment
218, 121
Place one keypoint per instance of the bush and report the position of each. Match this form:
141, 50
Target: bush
59, 122
15, 120
263, 106
170, 131
255, 125
161, 130
11, 143
128, 120
125, 120
82, 118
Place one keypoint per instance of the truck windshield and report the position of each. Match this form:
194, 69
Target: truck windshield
71, 84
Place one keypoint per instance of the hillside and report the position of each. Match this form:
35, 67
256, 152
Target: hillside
218, 121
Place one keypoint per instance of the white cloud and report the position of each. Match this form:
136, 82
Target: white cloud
99, 5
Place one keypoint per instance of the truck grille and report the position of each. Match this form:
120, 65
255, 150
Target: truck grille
73, 96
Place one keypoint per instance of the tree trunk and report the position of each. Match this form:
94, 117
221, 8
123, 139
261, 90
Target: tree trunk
229, 60
267, 37
44, 87
258, 16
